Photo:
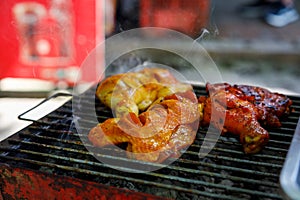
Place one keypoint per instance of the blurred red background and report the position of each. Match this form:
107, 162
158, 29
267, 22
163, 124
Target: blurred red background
48, 39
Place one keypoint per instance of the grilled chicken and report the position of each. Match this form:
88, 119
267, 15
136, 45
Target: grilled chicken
272, 106
136, 91
167, 127
245, 108
157, 116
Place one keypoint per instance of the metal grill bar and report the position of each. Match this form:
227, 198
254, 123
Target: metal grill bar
48, 139
231, 159
224, 142
187, 152
194, 145
241, 153
229, 168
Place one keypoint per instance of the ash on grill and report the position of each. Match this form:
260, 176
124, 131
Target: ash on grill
52, 146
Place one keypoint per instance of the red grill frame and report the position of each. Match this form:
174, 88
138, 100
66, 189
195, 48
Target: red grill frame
20, 183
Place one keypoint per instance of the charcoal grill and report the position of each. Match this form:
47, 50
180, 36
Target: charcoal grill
47, 160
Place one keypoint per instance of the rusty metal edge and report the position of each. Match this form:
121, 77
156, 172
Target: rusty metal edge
19, 183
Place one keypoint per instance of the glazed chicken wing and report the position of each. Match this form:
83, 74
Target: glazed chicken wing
245, 108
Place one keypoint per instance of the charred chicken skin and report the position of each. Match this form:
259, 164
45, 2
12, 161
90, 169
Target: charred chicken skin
167, 127
245, 108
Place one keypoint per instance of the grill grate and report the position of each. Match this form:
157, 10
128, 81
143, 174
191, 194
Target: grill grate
51, 145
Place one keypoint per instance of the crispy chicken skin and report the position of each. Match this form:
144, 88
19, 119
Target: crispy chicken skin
136, 91
167, 127
245, 108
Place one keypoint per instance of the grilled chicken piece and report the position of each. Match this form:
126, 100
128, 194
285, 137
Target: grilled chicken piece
156, 134
272, 106
137, 91
241, 118
245, 108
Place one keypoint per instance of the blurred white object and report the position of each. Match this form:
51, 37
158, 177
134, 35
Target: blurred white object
11, 108
25, 84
